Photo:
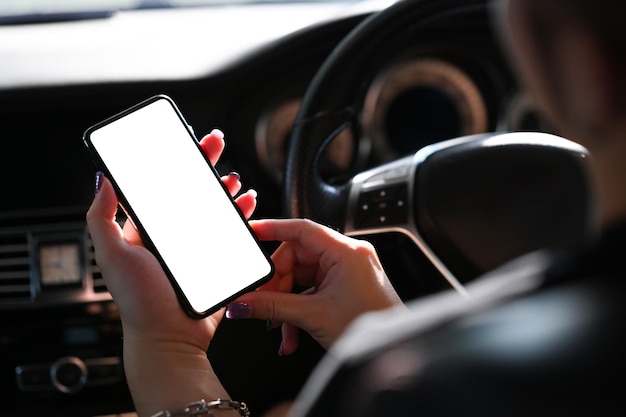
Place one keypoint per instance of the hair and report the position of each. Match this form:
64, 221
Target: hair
607, 18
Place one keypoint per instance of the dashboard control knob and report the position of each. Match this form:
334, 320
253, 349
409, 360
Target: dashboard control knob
68, 374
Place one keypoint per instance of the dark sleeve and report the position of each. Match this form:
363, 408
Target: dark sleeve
551, 353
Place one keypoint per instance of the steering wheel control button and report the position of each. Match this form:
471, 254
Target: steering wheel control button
69, 374
382, 207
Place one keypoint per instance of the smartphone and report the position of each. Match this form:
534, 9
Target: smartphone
178, 203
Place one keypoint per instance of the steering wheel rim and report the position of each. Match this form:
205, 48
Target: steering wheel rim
331, 103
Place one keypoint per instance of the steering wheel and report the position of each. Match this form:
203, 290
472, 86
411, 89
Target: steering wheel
461, 201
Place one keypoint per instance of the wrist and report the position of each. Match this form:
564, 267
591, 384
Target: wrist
164, 375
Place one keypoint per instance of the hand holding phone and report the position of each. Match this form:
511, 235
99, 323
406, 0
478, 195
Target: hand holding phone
179, 205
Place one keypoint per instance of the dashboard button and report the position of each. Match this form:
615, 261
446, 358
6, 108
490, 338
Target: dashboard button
69, 374
33, 377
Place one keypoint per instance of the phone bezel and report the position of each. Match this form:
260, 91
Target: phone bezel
132, 216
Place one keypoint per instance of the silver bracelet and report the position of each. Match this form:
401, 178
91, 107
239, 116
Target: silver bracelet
202, 409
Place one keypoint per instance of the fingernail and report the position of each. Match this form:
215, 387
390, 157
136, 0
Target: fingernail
234, 174
268, 325
281, 351
99, 176
253, 192
238, 310
218, 133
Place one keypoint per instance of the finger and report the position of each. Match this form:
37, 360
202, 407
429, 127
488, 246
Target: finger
103, 228
213, 145
131, 234
312, 235
291, 339
276, 307
314, 245
247, 203
232, 183
293, 264
283, 276
307, 248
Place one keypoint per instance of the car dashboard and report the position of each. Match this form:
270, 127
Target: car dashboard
243, 68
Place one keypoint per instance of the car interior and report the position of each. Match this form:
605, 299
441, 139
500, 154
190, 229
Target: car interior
399, 122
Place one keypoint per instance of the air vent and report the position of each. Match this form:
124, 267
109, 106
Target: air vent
14, 267
96, 275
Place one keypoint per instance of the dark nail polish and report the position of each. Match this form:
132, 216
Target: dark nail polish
234, 174
238, 310
281, 351
99, 176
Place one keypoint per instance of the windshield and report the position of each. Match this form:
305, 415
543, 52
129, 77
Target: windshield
23, 11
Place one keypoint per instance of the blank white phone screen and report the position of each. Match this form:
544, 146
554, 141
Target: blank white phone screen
177, 198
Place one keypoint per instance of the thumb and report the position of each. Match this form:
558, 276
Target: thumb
101, 224
308, 311
275, 306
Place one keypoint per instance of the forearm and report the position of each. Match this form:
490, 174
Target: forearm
167, 376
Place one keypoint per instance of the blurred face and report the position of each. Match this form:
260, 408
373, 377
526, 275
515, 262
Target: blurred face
533, 43
568, 67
